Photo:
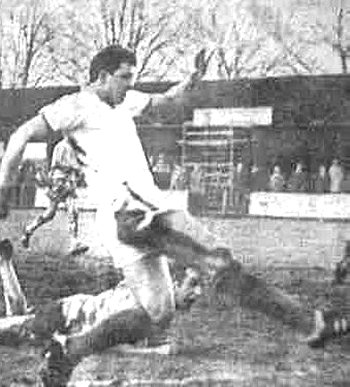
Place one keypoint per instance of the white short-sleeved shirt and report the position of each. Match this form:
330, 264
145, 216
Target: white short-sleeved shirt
114, 153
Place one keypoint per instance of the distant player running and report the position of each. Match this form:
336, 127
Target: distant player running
64, 178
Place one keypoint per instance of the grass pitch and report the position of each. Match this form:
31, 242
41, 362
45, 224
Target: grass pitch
242, 346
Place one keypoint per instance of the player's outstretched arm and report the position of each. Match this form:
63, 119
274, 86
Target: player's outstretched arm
34, 128
176, 93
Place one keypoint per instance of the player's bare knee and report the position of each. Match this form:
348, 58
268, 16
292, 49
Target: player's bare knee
161, 311
160, 306
150, 280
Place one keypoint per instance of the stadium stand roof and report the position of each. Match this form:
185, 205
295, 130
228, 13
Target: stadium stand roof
296, 100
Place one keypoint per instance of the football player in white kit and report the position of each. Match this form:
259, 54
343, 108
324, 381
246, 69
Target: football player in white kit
100, 119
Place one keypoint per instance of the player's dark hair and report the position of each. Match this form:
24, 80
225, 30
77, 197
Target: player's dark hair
110, 59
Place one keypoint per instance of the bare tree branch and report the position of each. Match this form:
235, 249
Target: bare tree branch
150, 53
104, 16
122, 15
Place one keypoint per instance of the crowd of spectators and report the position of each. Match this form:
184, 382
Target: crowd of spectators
23, 190
301, 180
231, 186
242, 179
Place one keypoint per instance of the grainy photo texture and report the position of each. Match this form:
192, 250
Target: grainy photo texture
174, 193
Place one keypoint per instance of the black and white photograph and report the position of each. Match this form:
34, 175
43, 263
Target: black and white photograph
174, 193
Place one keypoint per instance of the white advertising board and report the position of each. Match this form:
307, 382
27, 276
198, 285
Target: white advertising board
177, 200
300, 205
243, 117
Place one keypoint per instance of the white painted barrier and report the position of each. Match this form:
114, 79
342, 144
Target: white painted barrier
300, 205
176, 199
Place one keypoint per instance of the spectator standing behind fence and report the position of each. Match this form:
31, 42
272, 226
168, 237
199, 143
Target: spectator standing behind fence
162, 171
336, 176
28, 186
197, 202
277, 181
259, 178
178, 178
321, 182
240, 187
298, 181
18, 187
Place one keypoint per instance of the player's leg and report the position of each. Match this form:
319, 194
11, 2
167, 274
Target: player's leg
187, 290
15, 301
178, 235
343, 266
73, 217
93, 323
57, 368
77, 247
150, 281
328, 324
115, 316
184, 237
13, 325
96, 323
333, 320
146, 271
42, 219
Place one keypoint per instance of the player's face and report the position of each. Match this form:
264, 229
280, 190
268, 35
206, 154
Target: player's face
189, 290
120, 82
